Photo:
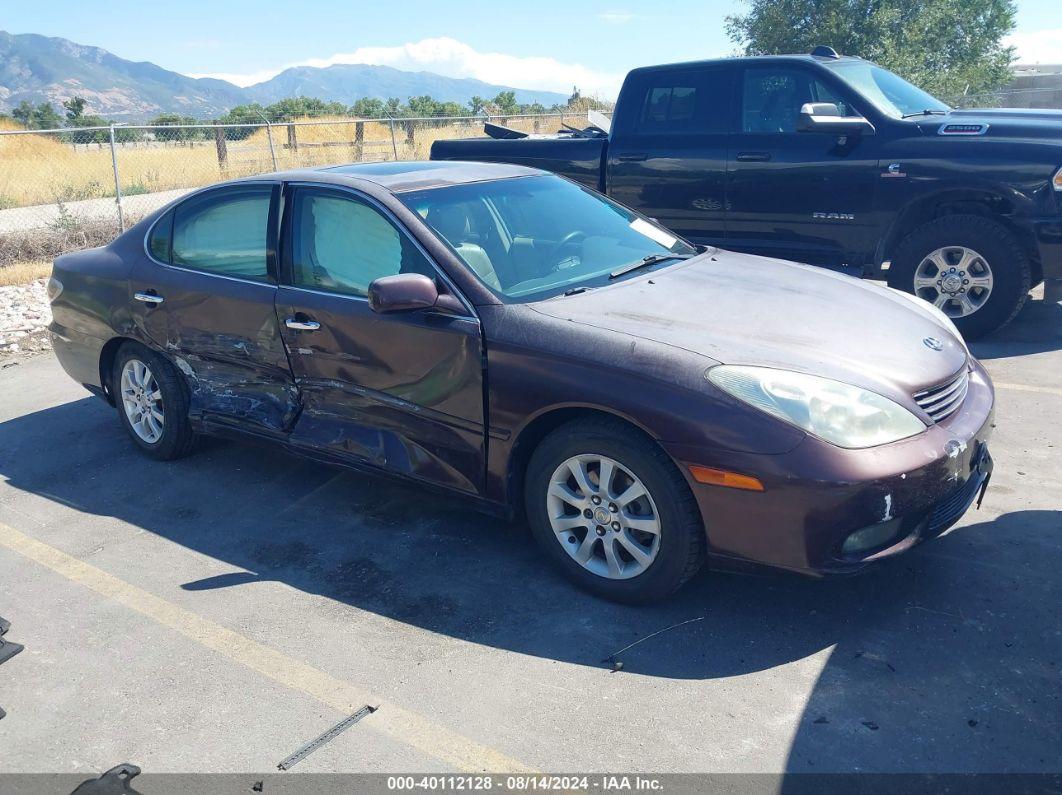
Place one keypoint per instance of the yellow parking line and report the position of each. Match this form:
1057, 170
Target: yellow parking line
1047, 390
391, 720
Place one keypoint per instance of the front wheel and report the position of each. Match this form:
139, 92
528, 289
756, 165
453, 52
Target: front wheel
610, 508
969, 266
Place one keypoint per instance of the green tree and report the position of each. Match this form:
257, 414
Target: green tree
948, 47
368, 108
178, 133
506, 104
39, 117
477, 105
302, 107
75, 108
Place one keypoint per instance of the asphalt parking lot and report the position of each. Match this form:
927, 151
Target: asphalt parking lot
216, 613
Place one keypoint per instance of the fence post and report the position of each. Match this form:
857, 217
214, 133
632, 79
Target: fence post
359, 140
293, 142
411, 127
223, 151
272, 151
394, 144
117, 184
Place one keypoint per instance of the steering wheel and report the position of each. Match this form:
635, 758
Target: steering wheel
569, 239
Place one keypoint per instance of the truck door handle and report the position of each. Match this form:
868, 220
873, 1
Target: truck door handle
302, 325
753, 157
149, 297
632, 157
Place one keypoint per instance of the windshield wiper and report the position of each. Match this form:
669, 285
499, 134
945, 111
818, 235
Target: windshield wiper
926, 112
652, 259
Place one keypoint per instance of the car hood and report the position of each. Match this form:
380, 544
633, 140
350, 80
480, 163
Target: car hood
743, 309
1004, 122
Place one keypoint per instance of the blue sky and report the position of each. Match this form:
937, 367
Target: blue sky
547, 44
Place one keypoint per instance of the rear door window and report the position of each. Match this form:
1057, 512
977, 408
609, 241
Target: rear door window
224, 232
685, 102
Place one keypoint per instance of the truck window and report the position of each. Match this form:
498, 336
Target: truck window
691, 102
772, 98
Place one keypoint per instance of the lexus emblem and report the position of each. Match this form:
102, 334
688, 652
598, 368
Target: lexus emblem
933, 344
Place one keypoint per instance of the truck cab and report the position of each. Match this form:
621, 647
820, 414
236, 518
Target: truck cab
832, 161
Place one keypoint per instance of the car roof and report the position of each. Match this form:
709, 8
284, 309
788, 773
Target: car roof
402, 176
748, 60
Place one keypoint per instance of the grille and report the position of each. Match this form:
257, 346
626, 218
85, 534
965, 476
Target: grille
950, 510
943, 400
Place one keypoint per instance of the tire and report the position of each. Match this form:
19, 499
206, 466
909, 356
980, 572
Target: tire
941, 240
175, 437
666, 559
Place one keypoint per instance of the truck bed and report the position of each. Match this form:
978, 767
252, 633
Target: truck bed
579, 159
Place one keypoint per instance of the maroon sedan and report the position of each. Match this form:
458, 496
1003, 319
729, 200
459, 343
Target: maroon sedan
509, 335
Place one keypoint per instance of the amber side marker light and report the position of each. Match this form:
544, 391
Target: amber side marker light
720, 477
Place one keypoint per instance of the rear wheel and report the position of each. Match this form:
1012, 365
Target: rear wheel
969, 266
610, 508
152, 403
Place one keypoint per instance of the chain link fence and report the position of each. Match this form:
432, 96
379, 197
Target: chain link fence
64, 190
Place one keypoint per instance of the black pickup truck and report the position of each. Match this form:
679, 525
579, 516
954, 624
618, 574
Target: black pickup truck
827, 160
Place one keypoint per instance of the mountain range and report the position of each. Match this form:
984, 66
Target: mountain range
47, 69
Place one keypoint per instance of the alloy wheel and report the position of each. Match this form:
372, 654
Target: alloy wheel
603, 516
956, 279
142, 401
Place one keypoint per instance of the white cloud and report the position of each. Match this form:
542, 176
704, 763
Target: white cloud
1041, 46
452, 58
616, 17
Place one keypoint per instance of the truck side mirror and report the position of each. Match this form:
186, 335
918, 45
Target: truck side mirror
825, 117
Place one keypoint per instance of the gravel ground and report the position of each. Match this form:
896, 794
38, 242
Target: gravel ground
24, 319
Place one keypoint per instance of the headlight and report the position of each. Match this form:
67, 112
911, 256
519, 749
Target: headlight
842, 414
1057, 181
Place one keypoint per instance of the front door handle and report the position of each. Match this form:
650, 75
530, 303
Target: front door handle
302, 325
753, 157
149, 298
632, 157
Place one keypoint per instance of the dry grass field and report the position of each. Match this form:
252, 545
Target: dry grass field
40, 169
24, 272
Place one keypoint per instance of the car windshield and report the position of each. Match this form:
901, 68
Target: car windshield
529, 238
890, 93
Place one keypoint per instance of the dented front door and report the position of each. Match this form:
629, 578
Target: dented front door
213, 314
401, 391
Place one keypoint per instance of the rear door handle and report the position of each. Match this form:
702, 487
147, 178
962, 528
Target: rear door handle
302, 325
632, 157
149, 298
753, 157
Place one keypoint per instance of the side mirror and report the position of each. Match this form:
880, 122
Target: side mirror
406, 292
825, 117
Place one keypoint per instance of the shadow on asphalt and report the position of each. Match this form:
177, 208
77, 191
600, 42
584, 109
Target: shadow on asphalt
955, 643
1036, 329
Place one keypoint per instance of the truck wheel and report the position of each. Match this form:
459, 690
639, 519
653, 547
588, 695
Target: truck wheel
971, 267
611, 509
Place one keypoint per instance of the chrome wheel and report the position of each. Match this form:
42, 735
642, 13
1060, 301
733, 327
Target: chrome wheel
603, 516
142, 401
956, 279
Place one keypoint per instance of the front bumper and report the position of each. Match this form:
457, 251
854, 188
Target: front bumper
1048, 235
817, 494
